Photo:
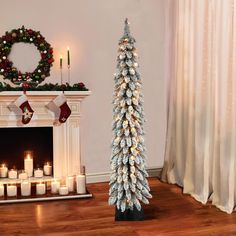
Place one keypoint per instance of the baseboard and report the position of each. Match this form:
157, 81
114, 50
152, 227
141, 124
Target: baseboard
104, 176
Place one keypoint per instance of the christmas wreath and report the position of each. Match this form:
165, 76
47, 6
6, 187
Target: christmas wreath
7, 68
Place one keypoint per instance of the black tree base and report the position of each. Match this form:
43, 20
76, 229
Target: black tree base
129, 215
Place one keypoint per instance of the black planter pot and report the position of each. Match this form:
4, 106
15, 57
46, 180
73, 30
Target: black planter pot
129, 215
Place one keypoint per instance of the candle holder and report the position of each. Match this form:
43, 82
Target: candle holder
12, 174
2, 191
25, 188
11, 190
38, 173
3, 171
63, 190
40, 188
61, 76
22, 174
55, 185
47, 169
68, 69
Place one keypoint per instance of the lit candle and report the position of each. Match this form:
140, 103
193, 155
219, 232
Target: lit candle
38, 173
68, 56
12, 174
80, 184
70, 182
3, 171
61, 62
63, 190
55, 185
22, 175
47, 169
1, 190
40, 188
11, 190
25, 188
28, 163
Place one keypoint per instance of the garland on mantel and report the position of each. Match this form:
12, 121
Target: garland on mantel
45, 87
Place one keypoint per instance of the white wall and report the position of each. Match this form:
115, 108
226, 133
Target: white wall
92, 29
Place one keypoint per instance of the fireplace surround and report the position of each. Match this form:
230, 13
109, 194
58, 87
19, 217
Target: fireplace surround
66, 137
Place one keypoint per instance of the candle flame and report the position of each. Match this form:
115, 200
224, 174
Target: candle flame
61, 57
68, 48
3, 165
28, 156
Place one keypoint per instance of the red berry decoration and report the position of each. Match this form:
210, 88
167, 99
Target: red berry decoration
7, 69
25, 86
81, 85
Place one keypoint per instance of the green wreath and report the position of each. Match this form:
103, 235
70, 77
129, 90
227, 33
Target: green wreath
7, 68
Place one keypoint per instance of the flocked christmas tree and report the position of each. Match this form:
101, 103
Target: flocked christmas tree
128, 182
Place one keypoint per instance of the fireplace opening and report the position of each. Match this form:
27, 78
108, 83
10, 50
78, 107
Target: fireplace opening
15, 141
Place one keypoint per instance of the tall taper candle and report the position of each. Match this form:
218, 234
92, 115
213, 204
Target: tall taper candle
60, 62
68, 56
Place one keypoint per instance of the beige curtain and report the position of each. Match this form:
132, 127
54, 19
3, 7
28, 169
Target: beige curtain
201, 70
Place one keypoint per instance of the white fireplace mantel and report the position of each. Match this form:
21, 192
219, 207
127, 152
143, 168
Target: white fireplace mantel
66, 138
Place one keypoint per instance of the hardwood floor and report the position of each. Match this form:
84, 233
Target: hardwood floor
170, 213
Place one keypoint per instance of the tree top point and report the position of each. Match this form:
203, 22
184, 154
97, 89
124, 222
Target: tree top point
127, 34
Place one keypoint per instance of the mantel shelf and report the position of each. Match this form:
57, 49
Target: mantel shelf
45, 93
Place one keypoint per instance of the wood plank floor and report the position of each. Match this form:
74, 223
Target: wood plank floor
170, 213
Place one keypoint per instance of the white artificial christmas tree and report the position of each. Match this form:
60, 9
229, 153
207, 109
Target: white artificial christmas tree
128, 182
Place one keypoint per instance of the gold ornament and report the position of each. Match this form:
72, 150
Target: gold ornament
13, 34
27, 114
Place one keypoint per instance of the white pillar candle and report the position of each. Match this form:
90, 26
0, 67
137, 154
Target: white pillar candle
28, 164
12, 174
38, 173
23, 175
25, 188
80, 184
47, 169
63, 190
40, 189
55, 186
3, 171
70, 182
1, 190
11, 190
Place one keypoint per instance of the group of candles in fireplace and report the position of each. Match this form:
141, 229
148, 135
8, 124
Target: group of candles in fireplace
62, 187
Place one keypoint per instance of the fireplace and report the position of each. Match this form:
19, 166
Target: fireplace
15, 141
42, 140
59, 143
